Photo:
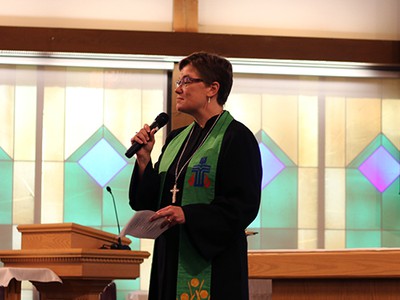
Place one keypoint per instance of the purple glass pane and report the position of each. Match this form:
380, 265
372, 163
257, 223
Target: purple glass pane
380, 168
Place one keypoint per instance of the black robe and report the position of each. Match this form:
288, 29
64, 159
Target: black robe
217, 230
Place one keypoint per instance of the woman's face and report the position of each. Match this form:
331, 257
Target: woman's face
192, 92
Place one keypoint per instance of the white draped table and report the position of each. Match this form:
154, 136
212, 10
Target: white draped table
31, 274
10, 279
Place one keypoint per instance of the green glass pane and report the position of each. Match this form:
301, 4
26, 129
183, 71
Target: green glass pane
366, 152
6, 186
391, 207
4, 155
278, 238
124, 287
263, 137
390, 147
119, 185
279, 201
114, 142
390, 238
363, 204
380, 140
82, 197
89, 143
363, 239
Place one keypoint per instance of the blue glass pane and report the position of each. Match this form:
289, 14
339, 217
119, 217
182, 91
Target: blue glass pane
102, 162
271, 165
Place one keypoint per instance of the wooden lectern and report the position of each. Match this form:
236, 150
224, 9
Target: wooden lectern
73, 252
353, 274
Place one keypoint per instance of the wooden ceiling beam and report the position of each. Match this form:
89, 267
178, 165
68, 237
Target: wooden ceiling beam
184, 43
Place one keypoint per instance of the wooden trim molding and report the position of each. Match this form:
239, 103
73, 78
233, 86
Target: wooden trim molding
378, 52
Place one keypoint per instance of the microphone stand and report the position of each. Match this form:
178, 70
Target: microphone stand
119, 245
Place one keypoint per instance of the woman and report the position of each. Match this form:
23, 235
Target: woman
206, 185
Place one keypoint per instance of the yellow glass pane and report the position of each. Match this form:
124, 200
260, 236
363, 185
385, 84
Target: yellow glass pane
335, 129
308, 198
7, 119
52, 192
23, 192
25, 123
307, 239
391, 120
246, 108
363, 124
335, 198
123, 113
83, 116
279, 121
84, 106
335, 239
53, 123
308, 131
153, 101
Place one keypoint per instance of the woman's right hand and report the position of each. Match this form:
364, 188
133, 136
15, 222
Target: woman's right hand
145, 137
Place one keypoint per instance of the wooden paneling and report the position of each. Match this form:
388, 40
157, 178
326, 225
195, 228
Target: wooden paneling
363, 263
367, 274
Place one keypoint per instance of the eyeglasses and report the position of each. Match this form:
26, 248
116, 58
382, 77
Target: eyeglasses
187, 80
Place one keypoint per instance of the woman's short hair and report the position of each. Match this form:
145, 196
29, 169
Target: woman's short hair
211, 68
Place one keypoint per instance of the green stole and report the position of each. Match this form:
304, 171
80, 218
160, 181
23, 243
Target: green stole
194, 272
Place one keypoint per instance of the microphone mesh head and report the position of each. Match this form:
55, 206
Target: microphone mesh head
162, 119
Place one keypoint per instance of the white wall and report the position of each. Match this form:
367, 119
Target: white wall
366, 19
155, 15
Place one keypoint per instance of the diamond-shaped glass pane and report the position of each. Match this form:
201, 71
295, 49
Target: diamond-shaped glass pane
380, 168
271, 165
102, 162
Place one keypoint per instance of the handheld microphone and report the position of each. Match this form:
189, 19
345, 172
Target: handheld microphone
119, 245
159, 122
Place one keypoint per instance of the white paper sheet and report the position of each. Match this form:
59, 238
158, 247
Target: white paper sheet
140, 226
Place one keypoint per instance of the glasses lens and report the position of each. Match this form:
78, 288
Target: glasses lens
187, 80
184, 80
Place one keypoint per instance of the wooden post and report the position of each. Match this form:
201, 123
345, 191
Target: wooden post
185, 16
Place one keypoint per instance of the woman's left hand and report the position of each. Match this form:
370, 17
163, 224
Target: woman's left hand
172, 214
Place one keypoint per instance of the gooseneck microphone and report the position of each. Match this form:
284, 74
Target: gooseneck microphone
119, 245
159, 122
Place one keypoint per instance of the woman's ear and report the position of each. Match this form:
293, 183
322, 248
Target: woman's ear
213, 89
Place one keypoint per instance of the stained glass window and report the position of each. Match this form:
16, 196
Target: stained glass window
329, 145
